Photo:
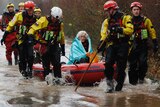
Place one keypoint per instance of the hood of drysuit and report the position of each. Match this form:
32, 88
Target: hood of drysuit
77, 50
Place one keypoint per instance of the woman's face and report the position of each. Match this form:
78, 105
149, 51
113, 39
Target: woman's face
82, 38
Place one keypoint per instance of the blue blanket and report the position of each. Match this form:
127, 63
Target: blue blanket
77, 50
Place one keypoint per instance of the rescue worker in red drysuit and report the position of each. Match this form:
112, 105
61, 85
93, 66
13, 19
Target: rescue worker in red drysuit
23, 21
10, 39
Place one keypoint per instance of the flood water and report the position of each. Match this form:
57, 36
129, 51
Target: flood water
15, 91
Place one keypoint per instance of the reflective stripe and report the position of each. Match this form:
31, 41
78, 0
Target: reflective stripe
48, 35
59, 36
51, 35
144, 34
132, 37
120, 35
22, 30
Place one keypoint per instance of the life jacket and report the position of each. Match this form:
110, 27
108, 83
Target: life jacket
25, 25
113, 23
140, 30
52, 32
7, 17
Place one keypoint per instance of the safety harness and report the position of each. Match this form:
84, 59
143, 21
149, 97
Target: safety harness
113, 23
7, 17
24, 26
140, 31
52, 32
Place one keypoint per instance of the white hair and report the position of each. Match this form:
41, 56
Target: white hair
82, 33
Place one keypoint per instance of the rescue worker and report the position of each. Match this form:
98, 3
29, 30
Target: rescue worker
52, 35
20, 7
80, 47
10, 39
37, 46
37, 13
143, 28
25, 43
116, 31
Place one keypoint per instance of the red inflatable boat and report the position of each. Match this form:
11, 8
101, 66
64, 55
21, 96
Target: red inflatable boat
94, 74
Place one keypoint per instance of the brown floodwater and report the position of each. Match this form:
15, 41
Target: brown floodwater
15, 91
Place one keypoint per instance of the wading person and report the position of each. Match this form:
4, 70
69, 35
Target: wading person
116, 30
143, 28
10, 39
22, 21
52, 36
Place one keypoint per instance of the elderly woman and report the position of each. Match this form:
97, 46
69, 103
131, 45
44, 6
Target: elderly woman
80, 47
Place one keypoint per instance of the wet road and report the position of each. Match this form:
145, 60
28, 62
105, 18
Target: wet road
15, 91
18, 92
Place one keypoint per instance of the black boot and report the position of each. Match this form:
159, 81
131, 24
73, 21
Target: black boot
29, 74
46, 73
119, 87
24, 73
9, 62
16, 61
110, 86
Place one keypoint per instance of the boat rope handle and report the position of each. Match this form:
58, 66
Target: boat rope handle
71, 61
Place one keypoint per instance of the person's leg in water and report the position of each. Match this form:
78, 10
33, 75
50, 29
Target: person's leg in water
46, 63
22, 59
109, 70
8, 52
55, 60
30, 59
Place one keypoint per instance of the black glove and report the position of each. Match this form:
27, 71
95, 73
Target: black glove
116, 29
155, 45
101, 46
2, 41
119, 30
63, 49
31, 39
4, 37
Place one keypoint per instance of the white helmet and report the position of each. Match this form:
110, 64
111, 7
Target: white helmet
56, 12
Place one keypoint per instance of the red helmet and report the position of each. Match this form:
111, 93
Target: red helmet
29, 5
136, 4
110, 4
